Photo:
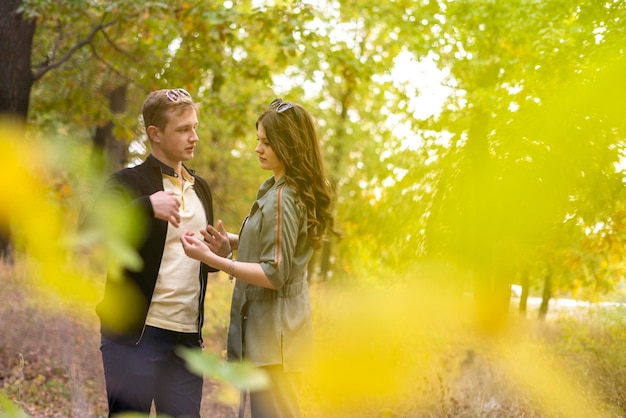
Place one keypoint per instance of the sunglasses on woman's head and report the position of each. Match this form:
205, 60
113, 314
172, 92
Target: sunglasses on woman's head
175, 95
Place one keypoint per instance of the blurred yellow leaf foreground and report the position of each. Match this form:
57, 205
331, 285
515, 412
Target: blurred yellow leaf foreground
406, 349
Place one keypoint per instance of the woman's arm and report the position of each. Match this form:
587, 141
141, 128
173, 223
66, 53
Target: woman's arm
248, 272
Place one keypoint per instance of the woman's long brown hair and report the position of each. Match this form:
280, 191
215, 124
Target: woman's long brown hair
293, 138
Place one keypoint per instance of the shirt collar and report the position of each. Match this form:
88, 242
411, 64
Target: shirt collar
268, 184
166, 169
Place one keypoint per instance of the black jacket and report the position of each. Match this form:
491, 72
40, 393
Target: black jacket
125, 304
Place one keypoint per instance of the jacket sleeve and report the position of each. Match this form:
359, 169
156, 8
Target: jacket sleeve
280, 226
118, 190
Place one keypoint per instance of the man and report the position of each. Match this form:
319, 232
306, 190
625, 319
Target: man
147, 314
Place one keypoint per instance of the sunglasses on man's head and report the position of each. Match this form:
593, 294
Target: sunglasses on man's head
175, 95
279, 106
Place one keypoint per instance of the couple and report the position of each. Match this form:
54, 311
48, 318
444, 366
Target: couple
151, 312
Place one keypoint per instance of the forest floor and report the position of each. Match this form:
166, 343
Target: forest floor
50, 363
50, 367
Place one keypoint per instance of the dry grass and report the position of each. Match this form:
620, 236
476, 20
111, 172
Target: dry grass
50, 364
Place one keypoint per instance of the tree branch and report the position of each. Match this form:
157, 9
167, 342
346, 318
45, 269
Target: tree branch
43, 69
116, 71
114, 45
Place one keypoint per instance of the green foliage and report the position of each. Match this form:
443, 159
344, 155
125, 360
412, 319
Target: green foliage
117, 230
8, 409
240, 375
510, 174
520, 170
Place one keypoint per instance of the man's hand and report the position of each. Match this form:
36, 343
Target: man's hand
165, 206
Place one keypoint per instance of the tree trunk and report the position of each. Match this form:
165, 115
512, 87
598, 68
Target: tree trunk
523, 301
16, 79
324, 258
325, 265
480, 238
16, 76
547, 295
492, 298
111, 153
6, 246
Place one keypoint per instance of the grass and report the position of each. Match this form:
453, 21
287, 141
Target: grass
50, 363
386, 352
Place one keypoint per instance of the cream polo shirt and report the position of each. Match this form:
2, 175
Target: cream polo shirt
175, 301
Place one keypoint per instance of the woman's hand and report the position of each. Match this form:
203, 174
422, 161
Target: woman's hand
217, 239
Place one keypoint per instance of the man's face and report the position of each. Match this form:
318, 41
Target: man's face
177, 142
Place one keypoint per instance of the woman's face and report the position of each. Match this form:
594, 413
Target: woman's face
267, 158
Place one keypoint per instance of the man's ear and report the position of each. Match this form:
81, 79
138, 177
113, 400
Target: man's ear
154, 133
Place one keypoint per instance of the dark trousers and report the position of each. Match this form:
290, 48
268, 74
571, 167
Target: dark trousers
135, 375
280, 400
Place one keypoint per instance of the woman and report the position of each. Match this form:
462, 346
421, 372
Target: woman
270, 322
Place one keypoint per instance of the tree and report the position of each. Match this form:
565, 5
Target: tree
490, 184
16, 78
509, 178
225, 56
